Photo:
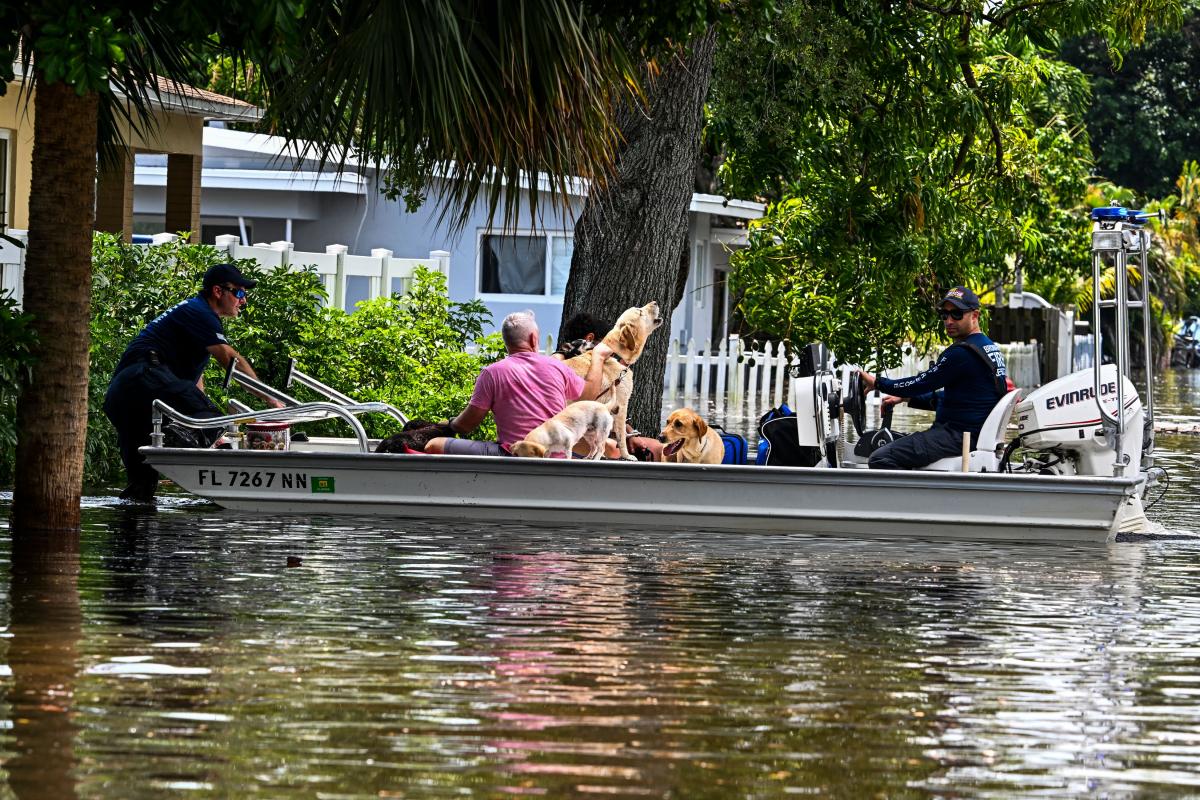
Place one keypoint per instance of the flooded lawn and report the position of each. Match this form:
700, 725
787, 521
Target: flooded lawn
194, 652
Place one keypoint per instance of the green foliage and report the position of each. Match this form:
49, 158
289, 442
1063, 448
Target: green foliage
1142, 120
16, 360
405, 350
909, 150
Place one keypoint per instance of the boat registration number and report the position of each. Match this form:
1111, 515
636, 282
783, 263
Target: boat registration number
263, 479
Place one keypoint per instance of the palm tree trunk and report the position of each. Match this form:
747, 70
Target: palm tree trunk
52, 409
631, 239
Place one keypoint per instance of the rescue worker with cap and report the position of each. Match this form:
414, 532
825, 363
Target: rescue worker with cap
962, 387
166, 362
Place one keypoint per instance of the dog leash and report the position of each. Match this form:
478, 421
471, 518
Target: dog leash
618, 379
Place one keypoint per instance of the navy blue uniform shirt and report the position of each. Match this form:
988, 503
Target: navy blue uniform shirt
181, 336
968, 386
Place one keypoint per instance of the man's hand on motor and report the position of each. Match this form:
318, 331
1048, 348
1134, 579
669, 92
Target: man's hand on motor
868, 379
891, 400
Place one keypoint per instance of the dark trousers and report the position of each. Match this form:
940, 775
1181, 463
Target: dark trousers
127, 404
919, 449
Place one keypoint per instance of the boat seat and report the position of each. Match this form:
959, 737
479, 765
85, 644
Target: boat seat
984, 457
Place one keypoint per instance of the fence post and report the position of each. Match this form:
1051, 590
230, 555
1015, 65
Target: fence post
754, 375
689, 372
339, 277
441, 262
782, 375
721, 388
286, 249
705, 372
227, 243
375, 284
735, 368
672, 368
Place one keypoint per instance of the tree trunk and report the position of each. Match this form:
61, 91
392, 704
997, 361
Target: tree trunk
631, 242
52, 409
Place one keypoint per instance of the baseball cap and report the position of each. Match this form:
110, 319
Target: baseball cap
227, 273
962, 298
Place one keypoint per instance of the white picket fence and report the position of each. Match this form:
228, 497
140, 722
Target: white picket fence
733, 381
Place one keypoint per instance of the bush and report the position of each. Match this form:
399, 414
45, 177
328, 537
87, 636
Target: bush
407, 350
16, 359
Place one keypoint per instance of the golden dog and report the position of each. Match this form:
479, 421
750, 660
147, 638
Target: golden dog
690, 440
627, 340
585, 420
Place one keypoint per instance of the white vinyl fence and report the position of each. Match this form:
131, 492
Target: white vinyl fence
348, 279
12, 266
734, 381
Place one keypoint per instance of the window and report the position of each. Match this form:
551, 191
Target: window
5, 216
529, 264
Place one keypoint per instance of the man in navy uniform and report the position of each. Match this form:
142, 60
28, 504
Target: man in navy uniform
963, 386
166, 362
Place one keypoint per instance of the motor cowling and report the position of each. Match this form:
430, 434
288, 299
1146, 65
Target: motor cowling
1063, 416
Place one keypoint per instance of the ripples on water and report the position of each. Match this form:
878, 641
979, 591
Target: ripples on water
419, 659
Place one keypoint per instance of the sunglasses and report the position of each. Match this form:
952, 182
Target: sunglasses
956, 314
236, 291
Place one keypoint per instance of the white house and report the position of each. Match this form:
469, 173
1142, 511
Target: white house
252, 187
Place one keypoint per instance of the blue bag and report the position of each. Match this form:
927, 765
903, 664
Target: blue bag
763, 444
736, 449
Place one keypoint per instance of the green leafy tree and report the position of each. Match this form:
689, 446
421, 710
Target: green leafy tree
911, 148
1142, 119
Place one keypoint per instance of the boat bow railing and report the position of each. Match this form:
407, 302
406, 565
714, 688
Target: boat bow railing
307, 412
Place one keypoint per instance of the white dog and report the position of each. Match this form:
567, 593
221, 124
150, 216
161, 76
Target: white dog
585, 420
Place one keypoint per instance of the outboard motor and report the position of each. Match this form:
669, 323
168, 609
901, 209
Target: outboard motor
1061, 419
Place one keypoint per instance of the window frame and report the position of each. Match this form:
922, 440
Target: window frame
6, 176
548, 267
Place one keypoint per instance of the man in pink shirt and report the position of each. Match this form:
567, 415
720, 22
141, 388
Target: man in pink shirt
522, 390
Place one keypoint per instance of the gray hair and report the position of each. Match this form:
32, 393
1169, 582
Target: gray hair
516, 328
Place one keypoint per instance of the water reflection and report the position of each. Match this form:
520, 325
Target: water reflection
44, 626
193, 650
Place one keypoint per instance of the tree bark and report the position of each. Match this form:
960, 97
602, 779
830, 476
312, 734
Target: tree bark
631, 241
52, 409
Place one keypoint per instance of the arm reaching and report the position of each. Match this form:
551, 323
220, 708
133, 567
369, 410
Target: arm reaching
224, 354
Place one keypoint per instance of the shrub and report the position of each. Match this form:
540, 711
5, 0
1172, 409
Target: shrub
16, 359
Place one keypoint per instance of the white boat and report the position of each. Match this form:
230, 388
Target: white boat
1074, 470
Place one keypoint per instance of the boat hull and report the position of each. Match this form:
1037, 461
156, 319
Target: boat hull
663, 496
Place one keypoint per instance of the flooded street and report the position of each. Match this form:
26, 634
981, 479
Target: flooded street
196, 652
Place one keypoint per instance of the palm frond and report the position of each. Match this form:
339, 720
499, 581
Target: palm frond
478, 95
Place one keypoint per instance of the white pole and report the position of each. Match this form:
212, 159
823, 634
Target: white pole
242, 227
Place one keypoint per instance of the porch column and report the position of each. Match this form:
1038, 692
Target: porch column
114, 196
183, 194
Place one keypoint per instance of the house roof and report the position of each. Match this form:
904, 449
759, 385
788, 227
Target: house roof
277, 147
185, 99
175, 96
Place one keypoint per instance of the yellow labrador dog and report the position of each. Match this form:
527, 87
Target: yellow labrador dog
690, 440
585, 420
627, 340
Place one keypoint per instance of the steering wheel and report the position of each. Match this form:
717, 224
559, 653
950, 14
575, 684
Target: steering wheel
855, 402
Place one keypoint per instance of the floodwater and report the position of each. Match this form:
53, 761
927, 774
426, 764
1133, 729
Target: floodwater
193, 652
